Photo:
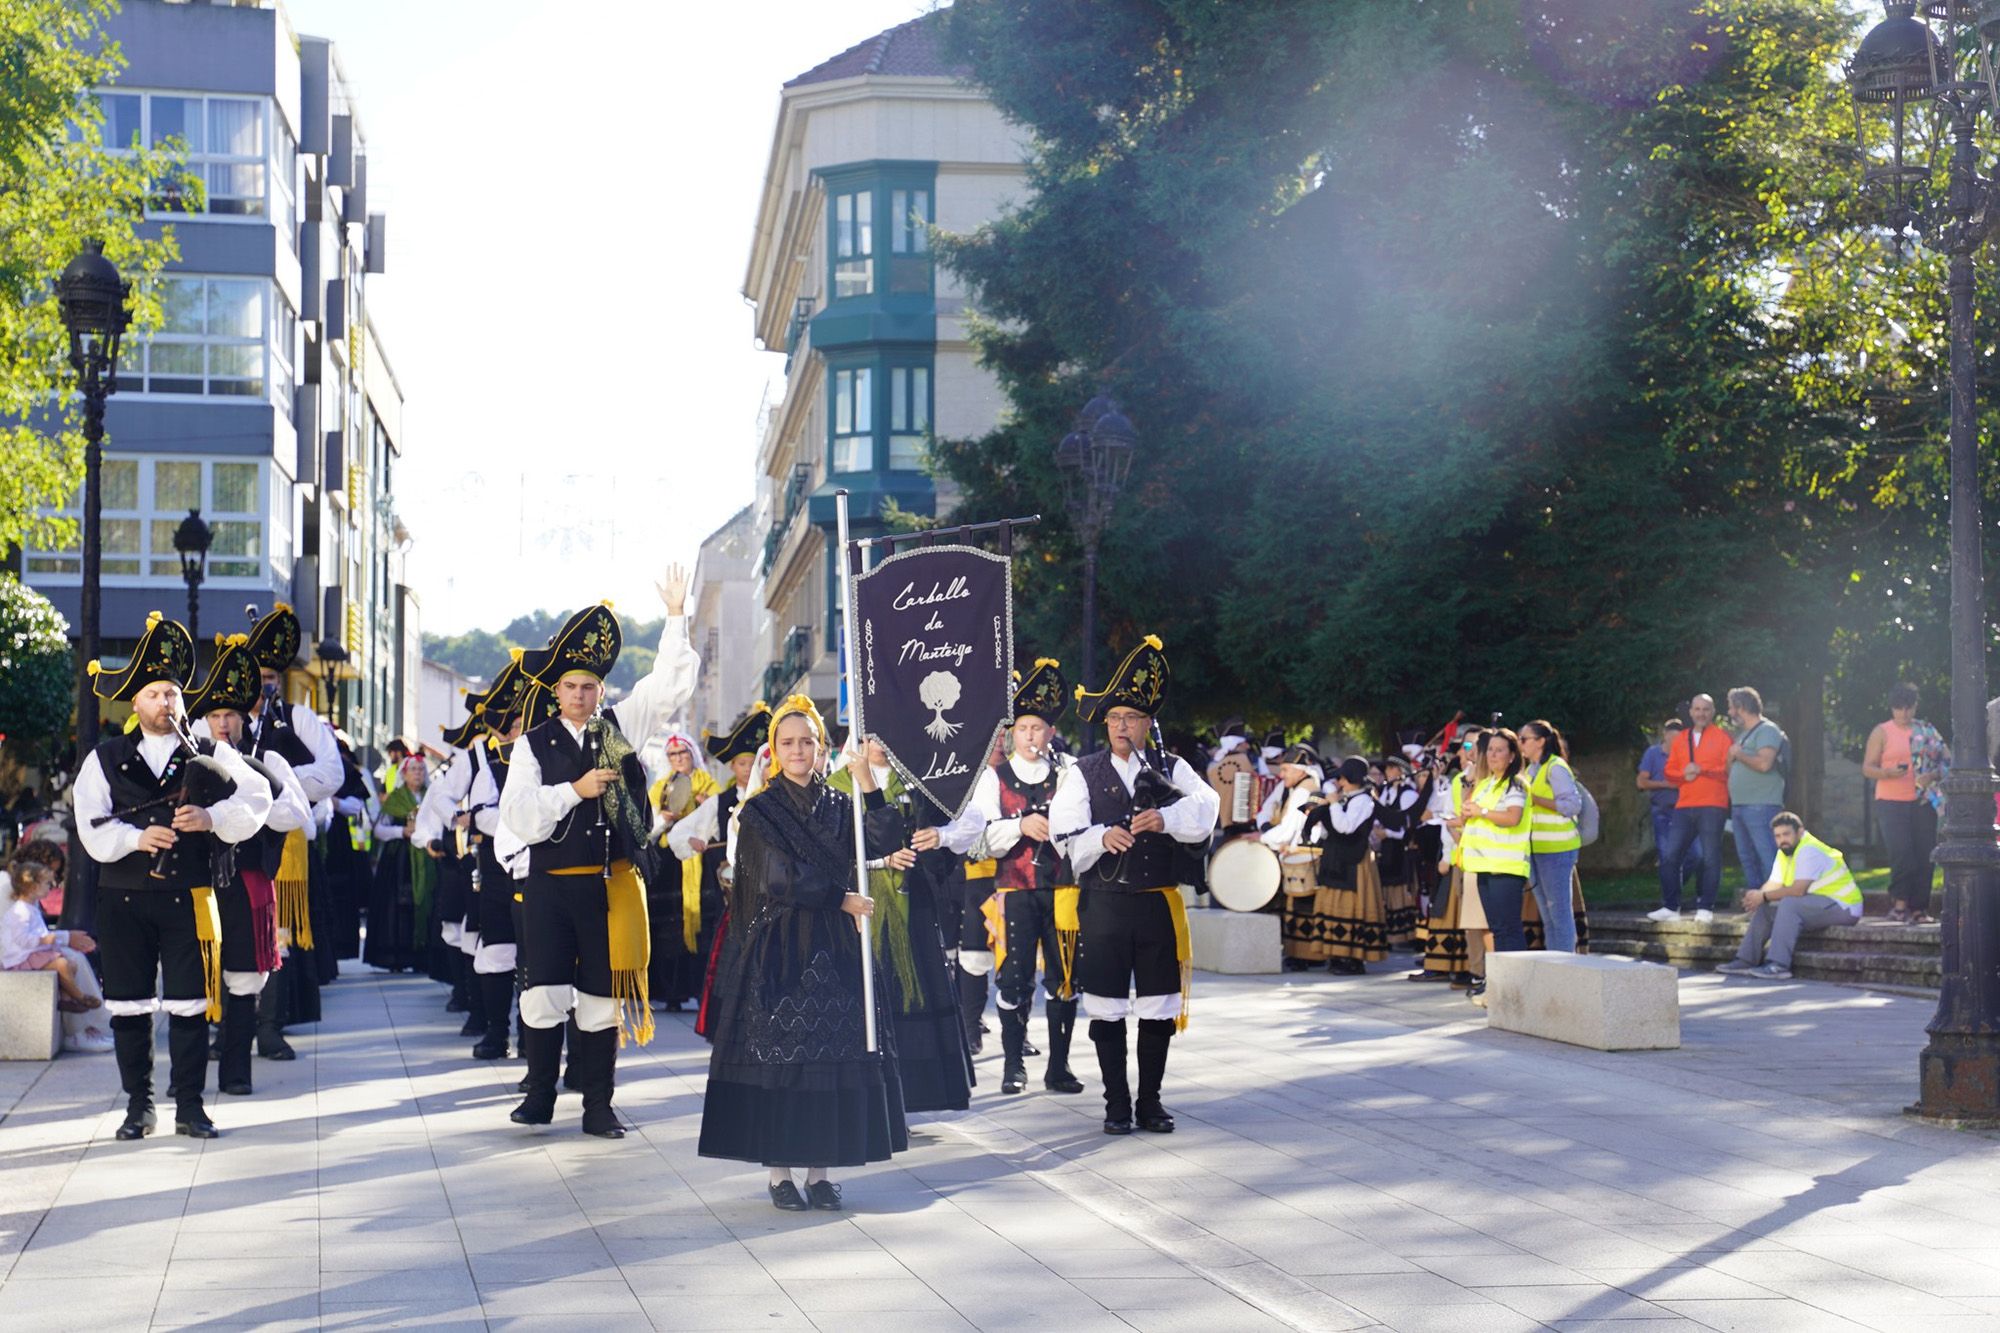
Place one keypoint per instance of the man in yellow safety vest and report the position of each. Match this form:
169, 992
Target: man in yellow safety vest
1810, 888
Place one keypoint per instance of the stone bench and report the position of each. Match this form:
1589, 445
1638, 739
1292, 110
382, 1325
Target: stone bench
30, 1024
1608, 1004
1235, 943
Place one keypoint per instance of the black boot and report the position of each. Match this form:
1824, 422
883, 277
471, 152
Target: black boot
273, 1008
1109, 1038
493, 997
1154, 1036
132, 1041
239, 1029
543, 1049
1062, 1025
593, 1059
460, 999
1013, 1036
475, 999
971, 1006
187, 1071
572, 1080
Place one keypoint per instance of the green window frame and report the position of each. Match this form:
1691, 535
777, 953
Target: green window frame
909, 416
851, 418
910, 219
851, 244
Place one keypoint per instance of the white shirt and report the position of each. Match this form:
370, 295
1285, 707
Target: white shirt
1189, 819
236, 816
1285, 830
23, 929
703, 822
981, 816
323, 776
1398, 796
532, 809
290, 810
466, 783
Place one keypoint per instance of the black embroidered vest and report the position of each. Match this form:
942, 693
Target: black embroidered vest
188, 862
1154, 860
585, 836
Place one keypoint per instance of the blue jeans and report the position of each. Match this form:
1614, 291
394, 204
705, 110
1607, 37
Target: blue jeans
1663, 820
1689, 823
1756, 844
1501, 896
1552, 871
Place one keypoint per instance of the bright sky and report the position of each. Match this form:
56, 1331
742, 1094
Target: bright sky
570, 191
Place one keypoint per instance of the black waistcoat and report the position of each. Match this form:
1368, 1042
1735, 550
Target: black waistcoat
188, 862
580, 836
1343, 852
1154, 860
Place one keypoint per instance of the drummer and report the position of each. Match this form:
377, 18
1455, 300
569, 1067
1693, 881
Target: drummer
1300, 774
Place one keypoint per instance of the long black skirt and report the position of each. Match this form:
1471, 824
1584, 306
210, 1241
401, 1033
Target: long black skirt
392, 913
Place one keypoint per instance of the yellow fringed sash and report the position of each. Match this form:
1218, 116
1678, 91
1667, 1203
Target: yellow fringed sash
1069, 933
986, 869
691, 902
1183, 950
995, 913
631, 948
294, 913
208, 930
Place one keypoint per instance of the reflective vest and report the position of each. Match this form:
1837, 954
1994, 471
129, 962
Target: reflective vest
1837, 883
1550, 830
1487, 849
1457, 800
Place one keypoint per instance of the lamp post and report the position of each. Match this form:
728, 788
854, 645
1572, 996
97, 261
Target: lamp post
1094, 460
331, 653
1942, 66
192, 540
92, 298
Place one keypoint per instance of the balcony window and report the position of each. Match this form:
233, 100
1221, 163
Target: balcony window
853, 244
909, 242
853, 419
909, 416
211, 341
145, 500
227, 146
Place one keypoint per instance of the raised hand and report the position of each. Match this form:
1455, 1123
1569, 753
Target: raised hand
673, 590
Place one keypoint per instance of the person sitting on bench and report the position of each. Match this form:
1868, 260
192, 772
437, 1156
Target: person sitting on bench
1810, 888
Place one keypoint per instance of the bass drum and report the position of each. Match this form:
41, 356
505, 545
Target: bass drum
1243, 875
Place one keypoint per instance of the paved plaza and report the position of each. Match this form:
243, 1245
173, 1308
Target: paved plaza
1352, 1153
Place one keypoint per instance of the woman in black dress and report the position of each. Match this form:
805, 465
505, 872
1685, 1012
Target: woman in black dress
791, 1082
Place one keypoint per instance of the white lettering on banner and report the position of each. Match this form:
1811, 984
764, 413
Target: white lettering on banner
868, 653
999, 645
916, 650
953, 767
935, 622
951, 592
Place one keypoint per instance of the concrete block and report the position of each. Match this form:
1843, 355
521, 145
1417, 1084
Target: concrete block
1235, 943
1608, 1004
30, 1026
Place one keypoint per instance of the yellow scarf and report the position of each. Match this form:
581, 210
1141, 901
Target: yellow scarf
294, 912
702, 786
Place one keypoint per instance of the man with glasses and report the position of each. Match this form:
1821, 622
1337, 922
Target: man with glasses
1123, 817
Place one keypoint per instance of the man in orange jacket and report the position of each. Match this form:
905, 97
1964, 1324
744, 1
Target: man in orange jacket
1698, 764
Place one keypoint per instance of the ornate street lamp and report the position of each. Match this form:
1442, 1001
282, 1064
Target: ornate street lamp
192, 540
332, 655
92, 298
1941, 67
1094, 460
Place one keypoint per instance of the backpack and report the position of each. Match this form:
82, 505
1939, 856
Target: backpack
1588, 820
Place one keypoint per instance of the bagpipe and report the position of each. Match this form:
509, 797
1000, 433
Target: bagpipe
204, 782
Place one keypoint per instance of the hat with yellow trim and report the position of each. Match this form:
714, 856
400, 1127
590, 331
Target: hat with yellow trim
537, 703
460, 737
275, 640
588, 641
751, 730
1140, 683
497, 703
233, 682
165, 652
1043, 693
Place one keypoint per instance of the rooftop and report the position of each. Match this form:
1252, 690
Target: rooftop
914, 49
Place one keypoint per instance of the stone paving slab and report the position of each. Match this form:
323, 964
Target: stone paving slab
1353, 1153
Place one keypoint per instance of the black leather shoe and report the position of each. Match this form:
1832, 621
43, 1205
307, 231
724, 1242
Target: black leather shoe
1014, 1080
236, 1089
1155, 1120
824, 1195
455, 1006
1031, 1051
537, 1108
282, 1051
786, 1195
1117, 1124
196, 1125
522, 1087
472, 1027
138, 1124
1061, 1080
490, 1049
603, 1127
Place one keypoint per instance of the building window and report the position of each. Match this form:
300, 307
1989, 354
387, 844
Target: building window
853, 244
211, 341
853, 419
909, 416
145, 500
224, 138
909, 242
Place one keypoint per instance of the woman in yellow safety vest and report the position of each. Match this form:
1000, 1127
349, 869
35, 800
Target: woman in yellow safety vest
1554, 802
1495, 841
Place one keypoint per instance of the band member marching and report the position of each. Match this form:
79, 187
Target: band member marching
704, 836
246, 896
443, 833
1124, 815
675, 902
153, 808
1344, 924
1008, 815
576, 794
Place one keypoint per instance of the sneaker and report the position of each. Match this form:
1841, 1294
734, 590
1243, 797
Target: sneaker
1736, 967
90, 1041
1664, 914
1772, 972
1477, 994
1703, 917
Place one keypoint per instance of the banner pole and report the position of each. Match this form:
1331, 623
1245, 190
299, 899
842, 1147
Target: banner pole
848, 636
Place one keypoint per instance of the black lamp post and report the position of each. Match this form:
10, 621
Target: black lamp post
192, 540
1942, 66
1094, 459
331, 653
92, 297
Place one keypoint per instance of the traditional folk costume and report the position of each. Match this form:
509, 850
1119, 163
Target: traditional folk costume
399, 907
447, 826
1454, 907
1135, 935
156, 912
246, 892
1344, 922
349, 844
711, 825
912, 976
1284, 820
1034, 886
512, 705
674, 897
586, 932
1396, 815
791, 1081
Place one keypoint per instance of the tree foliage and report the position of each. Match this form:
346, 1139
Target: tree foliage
61, 185
1534, 355
37, 673
480, 653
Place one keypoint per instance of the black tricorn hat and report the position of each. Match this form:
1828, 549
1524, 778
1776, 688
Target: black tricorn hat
275, 640
537, 703
1140, 682
165, 652
751, 730
461, 736
496, 705
233, 681
1044, 693
588, 641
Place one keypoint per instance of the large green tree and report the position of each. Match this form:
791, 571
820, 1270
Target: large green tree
1530, 355
61, 184
37, 674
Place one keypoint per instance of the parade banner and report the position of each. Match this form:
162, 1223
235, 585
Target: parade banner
934, 671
